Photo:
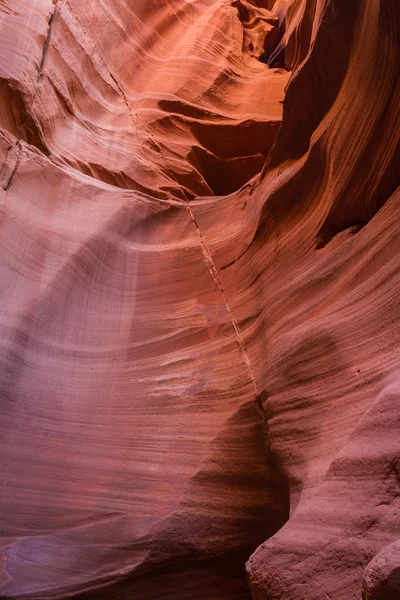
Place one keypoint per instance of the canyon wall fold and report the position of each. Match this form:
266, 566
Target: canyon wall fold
199, 299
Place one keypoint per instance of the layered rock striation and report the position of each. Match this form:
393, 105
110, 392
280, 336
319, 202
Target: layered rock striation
199, 299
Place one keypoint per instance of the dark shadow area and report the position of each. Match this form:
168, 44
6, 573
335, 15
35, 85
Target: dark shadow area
274, 49
228, 156
15, 118
225, 176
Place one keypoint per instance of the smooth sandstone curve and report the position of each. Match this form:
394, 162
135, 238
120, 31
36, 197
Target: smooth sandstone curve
199, 305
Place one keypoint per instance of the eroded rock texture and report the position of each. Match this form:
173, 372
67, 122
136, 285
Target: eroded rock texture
199, 304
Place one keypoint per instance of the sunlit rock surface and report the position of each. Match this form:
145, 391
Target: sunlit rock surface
199, 299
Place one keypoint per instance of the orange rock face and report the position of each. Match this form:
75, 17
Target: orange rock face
199, 299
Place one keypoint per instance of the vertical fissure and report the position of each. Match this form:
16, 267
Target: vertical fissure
215, 275
15, 169
57, 6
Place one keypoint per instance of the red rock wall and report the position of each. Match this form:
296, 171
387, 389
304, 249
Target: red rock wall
199, 308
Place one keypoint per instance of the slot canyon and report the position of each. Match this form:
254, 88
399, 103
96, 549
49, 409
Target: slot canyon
200, 300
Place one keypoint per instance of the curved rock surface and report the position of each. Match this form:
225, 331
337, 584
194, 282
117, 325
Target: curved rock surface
382, 575
199, 298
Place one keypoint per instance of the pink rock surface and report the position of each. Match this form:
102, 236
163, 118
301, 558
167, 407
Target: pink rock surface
382, 574
199, 299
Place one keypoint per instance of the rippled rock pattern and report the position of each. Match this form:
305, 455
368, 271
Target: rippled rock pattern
199, 299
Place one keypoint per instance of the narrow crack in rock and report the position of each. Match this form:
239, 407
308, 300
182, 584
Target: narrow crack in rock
214, 273
57, 6
15, 169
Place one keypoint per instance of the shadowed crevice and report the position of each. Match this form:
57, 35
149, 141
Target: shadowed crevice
16, 118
